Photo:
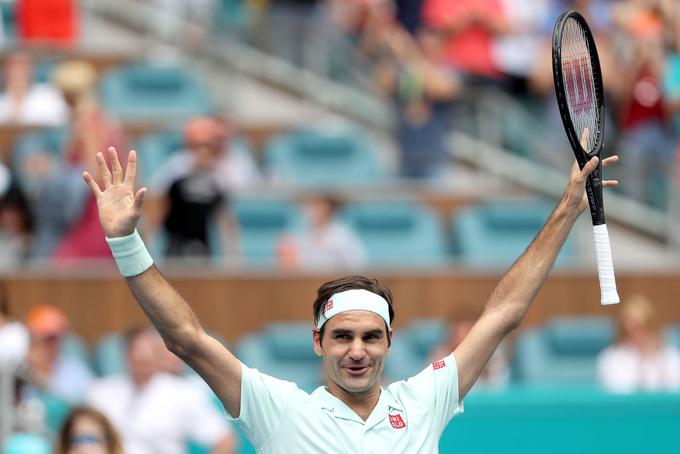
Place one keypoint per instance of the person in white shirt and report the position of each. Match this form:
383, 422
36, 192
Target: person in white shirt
27, 103
640, 360
14, 338
352, 335
157, 412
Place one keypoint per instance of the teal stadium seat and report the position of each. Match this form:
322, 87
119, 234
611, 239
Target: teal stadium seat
563, 352
108, 355
26, 443
399, 233
320, 159
154, 149
496, 233
261, 223
153, 93
284, 351
412, 347
673, 335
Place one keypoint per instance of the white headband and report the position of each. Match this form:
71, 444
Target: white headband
354, 300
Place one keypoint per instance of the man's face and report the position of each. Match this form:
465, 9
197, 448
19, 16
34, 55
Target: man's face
142, 358
354, 347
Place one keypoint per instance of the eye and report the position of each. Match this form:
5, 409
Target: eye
343, 336
372, 337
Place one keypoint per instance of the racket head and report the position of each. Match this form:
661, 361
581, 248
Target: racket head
578, 84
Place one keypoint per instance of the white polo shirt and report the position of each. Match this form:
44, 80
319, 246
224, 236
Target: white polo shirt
278, 417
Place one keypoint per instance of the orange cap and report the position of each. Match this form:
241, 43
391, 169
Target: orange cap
45, 320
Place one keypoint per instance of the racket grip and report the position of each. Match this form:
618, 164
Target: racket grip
605, 266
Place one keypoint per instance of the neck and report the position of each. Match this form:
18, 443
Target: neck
362, 403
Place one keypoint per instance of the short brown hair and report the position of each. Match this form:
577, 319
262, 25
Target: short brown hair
113, 441
349, 283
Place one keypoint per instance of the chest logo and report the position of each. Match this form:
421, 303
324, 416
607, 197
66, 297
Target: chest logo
397, 421
438, 364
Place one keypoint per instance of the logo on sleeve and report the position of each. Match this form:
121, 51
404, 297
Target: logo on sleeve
397, 421
438, 364
328, 307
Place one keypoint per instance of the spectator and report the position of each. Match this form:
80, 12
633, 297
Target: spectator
14, 338
16, 222
87, 431
324, 243
48, 22
496, 374
25, 102
156, 412
423, 90
640, 360
92, 131
51, 370
470, 27
189, 192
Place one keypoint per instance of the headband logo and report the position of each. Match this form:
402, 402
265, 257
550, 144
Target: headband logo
329, 306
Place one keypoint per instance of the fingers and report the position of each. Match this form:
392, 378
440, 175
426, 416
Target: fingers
584, 138
610, 160
590, 167
116, 169
104, 170
131, 170
92, 184
139, 199
610, 183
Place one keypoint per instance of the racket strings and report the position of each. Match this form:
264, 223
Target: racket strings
577, 74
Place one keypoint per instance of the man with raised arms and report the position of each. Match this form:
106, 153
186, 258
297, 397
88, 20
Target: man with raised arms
352, 335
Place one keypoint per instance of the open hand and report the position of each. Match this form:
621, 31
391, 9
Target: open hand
119, 206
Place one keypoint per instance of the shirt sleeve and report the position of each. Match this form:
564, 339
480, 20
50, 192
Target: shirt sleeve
437, 386
264, 401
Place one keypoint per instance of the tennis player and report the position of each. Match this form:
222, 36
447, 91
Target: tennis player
352, 335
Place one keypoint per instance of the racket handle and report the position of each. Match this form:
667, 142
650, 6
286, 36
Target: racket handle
605, 265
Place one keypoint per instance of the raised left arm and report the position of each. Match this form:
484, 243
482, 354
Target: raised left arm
513, 295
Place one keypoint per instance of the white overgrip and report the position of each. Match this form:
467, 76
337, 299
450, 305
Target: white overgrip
605, 265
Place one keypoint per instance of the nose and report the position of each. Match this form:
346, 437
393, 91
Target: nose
357, 350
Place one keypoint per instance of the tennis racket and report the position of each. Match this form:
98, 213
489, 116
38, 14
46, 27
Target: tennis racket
580, 97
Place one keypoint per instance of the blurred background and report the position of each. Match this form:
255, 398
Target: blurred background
285, 143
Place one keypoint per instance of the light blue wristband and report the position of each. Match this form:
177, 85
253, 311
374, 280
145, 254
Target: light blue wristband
130, 253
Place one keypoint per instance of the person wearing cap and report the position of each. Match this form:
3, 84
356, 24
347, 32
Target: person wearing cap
61, 375
352, 335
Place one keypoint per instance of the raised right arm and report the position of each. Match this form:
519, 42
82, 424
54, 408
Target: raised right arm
119, 210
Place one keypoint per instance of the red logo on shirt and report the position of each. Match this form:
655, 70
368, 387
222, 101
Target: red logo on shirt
328, 307
397, 421
438, 364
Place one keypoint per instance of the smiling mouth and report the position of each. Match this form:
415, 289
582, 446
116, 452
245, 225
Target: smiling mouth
356, 370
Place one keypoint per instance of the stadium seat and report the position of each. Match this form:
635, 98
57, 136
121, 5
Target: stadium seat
153, 93
496, 233
562, 352
412, 347
108, 355
318, 159
261, 223
154, 149
73, 346
397, 232
673, 335
26, 443
283, 350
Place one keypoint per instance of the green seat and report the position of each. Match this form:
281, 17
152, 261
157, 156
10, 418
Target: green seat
261, 223
496, 233
397, 233
153, 93
316, 159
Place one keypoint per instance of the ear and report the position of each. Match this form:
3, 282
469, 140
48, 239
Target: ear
389, 340
318, 349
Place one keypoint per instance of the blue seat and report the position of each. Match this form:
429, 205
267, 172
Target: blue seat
397, 232
108, 355
564, 351
261, 223
497, 233
153, 93
285, 351
316, 159
154, 149
412, 347
26, 443
673, 335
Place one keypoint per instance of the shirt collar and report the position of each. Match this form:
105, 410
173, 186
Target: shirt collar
338, 409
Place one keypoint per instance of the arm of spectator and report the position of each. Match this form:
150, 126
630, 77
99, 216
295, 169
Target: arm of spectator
513, 295
119, 210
